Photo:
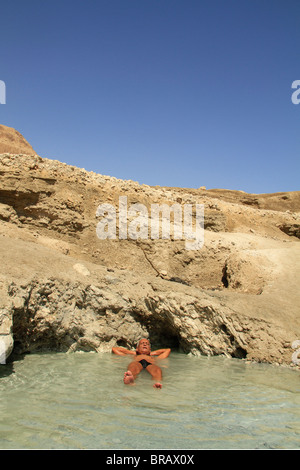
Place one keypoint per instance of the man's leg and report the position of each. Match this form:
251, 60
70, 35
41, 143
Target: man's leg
133, 370
156, 374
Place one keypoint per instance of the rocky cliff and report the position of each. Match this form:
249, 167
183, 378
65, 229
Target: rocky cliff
63, 288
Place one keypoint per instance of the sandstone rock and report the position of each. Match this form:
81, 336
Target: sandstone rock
80, 268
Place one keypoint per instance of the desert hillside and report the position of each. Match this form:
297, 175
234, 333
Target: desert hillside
11, 141
63, 288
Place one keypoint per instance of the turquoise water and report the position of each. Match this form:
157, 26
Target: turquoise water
79, 401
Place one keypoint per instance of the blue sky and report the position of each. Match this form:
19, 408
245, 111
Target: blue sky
172, 92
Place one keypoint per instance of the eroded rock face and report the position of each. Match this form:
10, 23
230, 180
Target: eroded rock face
72, 316
63, 288
64, 315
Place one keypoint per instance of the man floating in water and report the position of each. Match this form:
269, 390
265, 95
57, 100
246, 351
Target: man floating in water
144, 358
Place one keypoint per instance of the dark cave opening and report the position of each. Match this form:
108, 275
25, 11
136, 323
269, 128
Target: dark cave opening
224, 279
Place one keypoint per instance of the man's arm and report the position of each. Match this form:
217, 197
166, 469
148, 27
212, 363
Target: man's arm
122, 351
161, 353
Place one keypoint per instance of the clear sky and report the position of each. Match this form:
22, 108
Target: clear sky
164, 92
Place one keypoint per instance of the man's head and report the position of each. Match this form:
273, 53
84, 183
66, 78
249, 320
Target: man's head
143, 346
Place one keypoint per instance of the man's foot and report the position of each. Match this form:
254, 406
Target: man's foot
157, 385
128, 377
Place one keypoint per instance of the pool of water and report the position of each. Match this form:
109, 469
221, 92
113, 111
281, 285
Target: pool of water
79, 401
